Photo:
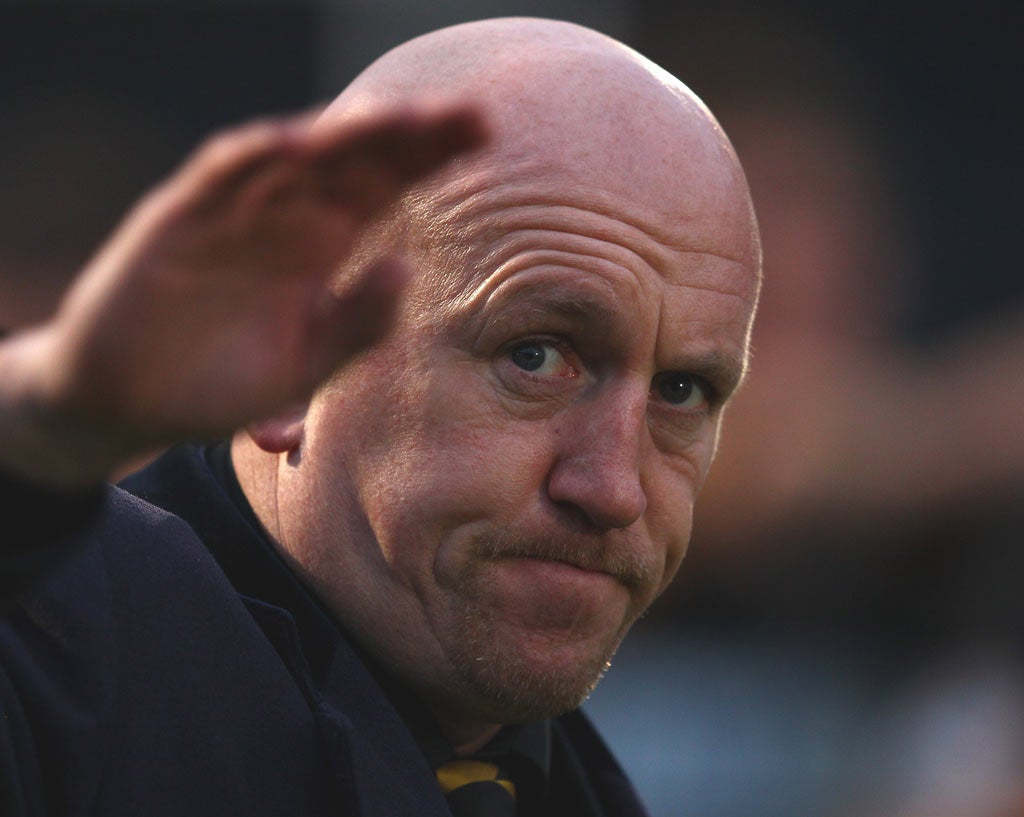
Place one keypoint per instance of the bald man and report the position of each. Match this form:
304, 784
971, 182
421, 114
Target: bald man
462, 475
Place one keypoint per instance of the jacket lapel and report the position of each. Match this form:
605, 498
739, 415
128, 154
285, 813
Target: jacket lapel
388, 776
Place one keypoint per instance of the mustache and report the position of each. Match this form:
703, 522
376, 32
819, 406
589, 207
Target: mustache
616, 557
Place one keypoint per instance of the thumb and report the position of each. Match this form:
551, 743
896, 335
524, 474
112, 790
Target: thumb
348, 324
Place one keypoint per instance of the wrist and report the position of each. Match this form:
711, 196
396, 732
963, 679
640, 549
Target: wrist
41, 441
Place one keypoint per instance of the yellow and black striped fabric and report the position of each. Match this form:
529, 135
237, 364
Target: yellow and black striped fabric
476, 788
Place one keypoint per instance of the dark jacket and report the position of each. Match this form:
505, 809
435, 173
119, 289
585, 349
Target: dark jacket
153, 672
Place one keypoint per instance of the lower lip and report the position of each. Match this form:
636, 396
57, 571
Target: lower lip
567, 576
549, 596
543, 596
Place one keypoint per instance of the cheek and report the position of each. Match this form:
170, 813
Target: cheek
675, 549
466, 467
669, 518
478, 445
452, 458
456, 486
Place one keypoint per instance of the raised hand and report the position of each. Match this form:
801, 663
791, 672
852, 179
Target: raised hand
210, 305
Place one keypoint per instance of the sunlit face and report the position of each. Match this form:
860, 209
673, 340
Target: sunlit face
491, 497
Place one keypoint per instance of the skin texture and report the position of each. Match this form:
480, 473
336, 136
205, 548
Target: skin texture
489, 497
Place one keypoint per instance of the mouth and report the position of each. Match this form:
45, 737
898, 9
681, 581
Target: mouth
571, 566
551, 579
557, 557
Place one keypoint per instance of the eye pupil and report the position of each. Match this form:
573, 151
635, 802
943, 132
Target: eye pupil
529, 358
676, 388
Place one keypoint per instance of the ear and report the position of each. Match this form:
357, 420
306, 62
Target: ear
280, 433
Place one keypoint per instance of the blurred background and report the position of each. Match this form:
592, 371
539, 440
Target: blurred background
847, 634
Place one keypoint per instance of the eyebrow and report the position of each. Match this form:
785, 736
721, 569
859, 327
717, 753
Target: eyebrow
725, 372
572, 303
579, 300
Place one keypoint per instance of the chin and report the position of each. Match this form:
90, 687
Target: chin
515, 685
528, 647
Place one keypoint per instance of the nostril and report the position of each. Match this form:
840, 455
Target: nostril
577, 520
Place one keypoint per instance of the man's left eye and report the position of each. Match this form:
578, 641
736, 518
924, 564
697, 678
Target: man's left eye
681, 389
541, 358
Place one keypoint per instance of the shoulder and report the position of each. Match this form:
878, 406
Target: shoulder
130, 567
67, 642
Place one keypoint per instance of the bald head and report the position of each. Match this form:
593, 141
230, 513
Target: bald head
577, 108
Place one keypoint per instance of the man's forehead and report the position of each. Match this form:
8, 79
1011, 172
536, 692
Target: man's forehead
592, 143
487, 225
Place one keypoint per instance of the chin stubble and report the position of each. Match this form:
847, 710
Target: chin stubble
499, 675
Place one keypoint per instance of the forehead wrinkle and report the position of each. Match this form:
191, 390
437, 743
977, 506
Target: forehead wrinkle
505, 262
589, 251
506, 259
574, 294
502, 223
747, 298
493, 204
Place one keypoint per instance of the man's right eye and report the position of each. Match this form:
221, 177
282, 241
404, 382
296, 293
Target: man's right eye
541, 358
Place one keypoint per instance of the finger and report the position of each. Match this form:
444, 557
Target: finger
232, 151
359, 165
413, 140
231, 160
365, 167
348, 324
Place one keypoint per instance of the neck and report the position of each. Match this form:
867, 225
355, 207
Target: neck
258, 482
468, 738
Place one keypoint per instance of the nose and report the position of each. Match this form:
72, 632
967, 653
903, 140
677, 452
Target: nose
597, 468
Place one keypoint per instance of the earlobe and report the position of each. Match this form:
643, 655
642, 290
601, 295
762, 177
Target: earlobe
281, 433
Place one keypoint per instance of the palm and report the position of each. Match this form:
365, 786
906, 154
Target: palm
211, 306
